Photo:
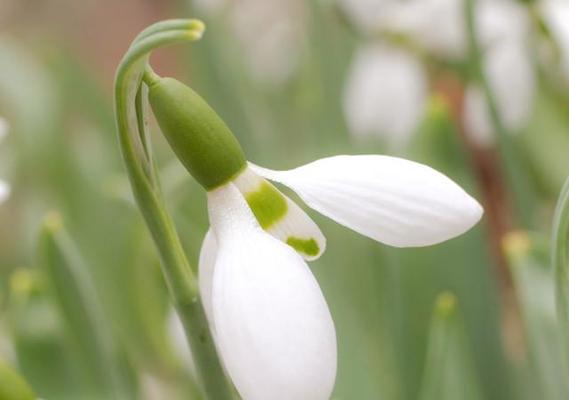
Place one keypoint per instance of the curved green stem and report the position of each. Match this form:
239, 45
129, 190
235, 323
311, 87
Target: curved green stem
559, 257
179, 277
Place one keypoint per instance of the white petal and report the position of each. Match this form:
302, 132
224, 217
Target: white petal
208, 255
287, 222
273, 327
385, 93
391, 200
4, 191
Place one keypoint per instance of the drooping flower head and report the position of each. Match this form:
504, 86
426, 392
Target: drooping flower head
268, 315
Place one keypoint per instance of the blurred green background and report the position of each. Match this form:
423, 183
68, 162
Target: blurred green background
277, 73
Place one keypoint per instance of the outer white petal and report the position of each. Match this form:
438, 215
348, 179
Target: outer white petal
208, 255
391, 200
510, 74
4, 191
294, 227
385, 93
273, 327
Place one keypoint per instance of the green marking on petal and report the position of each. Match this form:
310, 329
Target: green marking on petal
306, 246
268, 205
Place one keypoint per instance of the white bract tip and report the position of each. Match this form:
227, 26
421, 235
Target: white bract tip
392, 200
273, 328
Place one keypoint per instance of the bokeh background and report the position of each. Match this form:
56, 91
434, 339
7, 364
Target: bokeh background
295, 80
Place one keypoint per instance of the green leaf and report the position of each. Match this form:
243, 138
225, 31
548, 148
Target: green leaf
13, 386
533, 279
449, 371
79, 306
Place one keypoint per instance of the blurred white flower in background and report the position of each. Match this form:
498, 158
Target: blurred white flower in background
368, 15
4, 186
510, 74
556, 16
504, 34
375, 83
270, 34
436, 25
386, 92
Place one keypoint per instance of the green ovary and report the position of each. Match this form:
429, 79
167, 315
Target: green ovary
268, 205
305, 246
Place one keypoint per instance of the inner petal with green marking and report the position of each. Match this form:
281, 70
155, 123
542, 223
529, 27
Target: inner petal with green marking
267, 203
280, 216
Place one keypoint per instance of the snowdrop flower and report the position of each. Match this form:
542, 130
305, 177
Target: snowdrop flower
385, 93
268, 315
4, 186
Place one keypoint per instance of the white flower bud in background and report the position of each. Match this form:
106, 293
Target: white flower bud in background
4, 186
270, 34
3, 128
386, 88
503, 29
385, 93
368, 15
437, 25
556, 15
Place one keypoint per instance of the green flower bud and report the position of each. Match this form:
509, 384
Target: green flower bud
198, 136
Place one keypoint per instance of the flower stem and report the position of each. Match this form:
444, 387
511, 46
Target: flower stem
559, 257
179, 277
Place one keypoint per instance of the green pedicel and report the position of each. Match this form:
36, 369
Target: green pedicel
305, 246
268, 205
198, 136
